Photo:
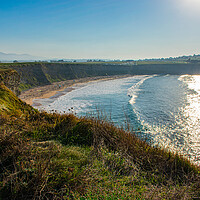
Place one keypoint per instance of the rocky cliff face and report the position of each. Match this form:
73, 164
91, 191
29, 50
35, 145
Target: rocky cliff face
40, 74
11, 80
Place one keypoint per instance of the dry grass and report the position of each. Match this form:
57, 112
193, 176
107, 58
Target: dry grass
52, 156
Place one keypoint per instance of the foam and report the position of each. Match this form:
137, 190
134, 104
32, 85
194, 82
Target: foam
132, 92
80, 99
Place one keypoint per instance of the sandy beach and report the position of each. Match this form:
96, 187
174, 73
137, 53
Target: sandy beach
48, 91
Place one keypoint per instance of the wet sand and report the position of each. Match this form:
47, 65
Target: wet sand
55, 89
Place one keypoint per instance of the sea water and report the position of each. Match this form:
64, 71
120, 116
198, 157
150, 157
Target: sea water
164, 109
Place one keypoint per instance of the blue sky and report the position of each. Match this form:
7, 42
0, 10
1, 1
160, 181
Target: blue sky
110, 29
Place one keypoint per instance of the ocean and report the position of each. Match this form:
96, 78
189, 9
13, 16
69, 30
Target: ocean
162, 109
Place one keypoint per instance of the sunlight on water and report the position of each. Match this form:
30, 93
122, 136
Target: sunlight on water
163, 109
192, 113
168, 108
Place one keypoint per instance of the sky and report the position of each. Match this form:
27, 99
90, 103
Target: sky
100, 29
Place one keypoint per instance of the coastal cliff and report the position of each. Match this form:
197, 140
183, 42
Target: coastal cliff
41, 74
11, 79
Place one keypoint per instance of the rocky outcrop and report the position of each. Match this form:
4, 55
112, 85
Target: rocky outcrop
11, 80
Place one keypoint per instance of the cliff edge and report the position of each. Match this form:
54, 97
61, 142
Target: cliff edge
11, 79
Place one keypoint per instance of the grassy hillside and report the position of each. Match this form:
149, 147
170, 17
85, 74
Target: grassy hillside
11, 79
39, 74
52, 156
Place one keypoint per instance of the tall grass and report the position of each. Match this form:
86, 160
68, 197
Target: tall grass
52, 156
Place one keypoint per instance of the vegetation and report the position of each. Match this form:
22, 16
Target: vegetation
52, 156
160, 62
43, 73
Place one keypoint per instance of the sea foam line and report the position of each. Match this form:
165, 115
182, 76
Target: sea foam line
132, 91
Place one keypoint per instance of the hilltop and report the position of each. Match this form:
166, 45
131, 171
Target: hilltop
52, 156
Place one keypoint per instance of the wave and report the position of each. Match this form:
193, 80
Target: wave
192, 82
132, 91
167, 110
84, 98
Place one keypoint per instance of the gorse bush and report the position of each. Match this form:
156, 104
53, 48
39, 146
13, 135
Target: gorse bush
52, 156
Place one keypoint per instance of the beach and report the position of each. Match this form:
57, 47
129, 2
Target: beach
55, 89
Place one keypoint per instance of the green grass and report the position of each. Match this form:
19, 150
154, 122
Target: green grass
52, 156
12, 105
36, 74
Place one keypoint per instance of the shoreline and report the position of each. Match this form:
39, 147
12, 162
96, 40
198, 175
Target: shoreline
48, 91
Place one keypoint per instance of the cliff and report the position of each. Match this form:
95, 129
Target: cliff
39, 74
10, 79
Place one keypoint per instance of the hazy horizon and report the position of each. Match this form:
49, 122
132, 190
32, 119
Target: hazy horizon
27, 57
106, 29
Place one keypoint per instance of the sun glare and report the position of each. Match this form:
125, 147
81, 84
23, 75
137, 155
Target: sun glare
189, 9
190, 5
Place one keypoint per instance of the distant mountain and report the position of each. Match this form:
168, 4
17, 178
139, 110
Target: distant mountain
19, 57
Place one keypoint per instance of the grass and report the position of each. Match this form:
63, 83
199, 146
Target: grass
34, 74
52, 156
